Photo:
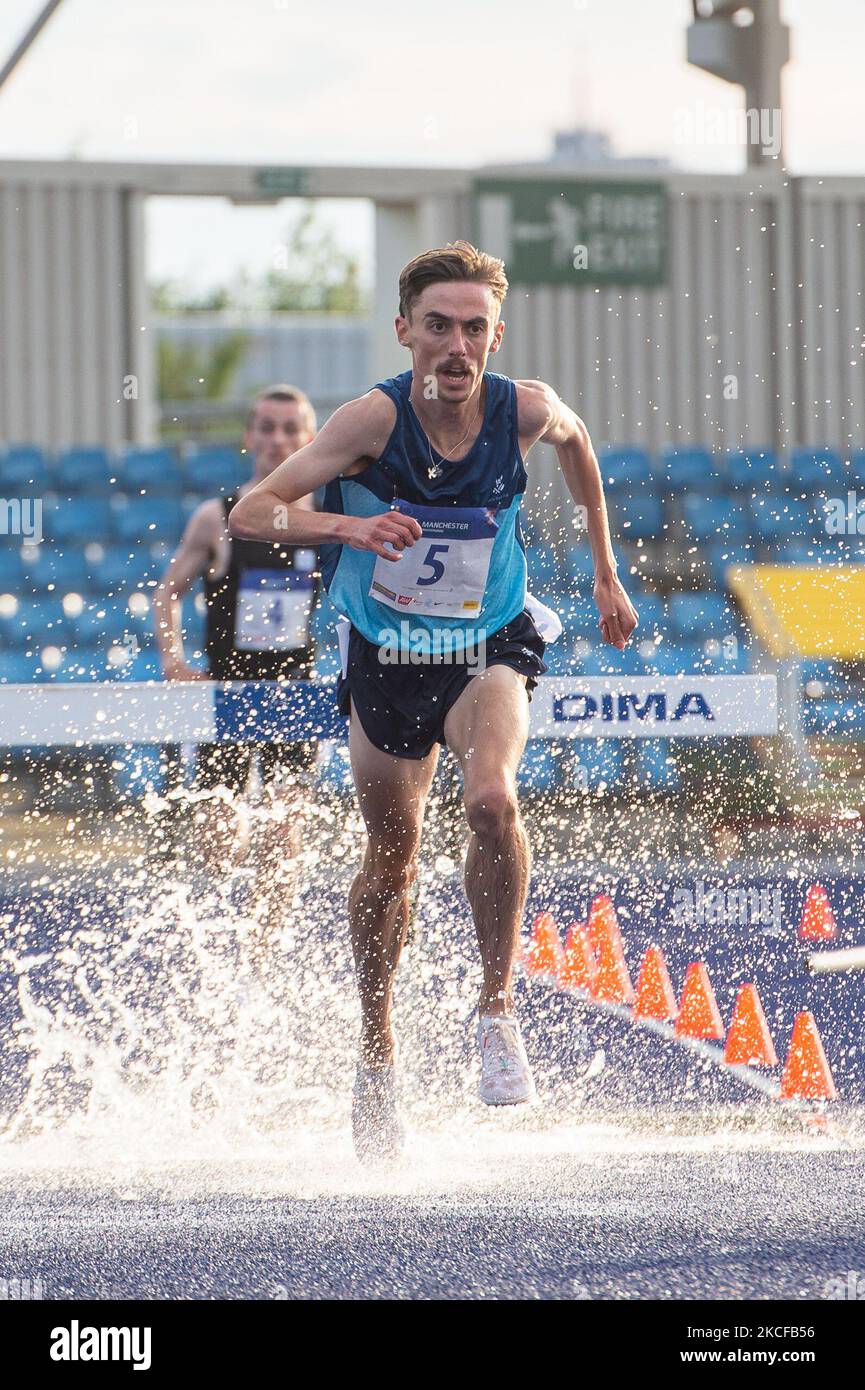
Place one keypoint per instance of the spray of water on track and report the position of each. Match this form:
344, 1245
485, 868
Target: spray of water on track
154, 1032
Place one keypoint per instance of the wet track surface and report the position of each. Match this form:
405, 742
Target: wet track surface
171, 1129
539, 1219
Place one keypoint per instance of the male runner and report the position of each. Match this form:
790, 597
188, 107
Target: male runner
259, 596
422, 546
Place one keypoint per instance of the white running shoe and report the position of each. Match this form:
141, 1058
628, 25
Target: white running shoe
506, 1077
376, 1124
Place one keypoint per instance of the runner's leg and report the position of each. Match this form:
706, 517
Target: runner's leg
486, 729
392, 794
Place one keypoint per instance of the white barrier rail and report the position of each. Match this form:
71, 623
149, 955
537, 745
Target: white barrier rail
119, 712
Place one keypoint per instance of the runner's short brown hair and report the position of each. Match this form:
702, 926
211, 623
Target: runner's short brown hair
459, 260
284, 392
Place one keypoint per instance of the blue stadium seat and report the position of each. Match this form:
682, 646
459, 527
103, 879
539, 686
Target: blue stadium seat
123, 568
105, 621
23, 467
559, 658
577, 612
651, 611
680, 469
212, 471
36, 622
156, 471
543, 572
17, 668
655, 658
146, 519
78, 519
597, 763
580, 566
607, 661
627, 469
82, 664
684, 657
833, 718
11, 569
752, 470
722, 555
715, 518
65, 569
656, 766
812, 470
829, 670
723, 658
794, 552
698, 615
538, 770
780, 516
327, 661
144, 666
83, 470
640, 516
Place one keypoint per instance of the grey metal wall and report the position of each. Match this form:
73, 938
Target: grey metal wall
757, 338
765, 299
74, 356
327, 356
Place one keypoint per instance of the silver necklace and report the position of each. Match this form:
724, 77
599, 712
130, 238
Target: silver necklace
435, 468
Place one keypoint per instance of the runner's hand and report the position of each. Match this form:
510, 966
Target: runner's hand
371, 532
618, 615
179, 671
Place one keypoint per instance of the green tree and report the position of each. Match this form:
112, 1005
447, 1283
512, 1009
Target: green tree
186, 372
311, 274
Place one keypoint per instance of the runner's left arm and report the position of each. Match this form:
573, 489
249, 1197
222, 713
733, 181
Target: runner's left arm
544, 417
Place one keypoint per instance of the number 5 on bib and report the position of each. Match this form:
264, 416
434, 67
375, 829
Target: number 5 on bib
444, 574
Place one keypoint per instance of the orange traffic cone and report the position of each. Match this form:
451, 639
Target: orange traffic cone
655, 996
806, 1073
579, 968
612, 981
543, 954
699, 1015
818, 919
749, 1041
602, 918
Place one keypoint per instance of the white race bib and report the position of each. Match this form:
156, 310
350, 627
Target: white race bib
273, 610
444, 574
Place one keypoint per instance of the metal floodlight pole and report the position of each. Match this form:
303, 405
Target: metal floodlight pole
746, 43
32, 33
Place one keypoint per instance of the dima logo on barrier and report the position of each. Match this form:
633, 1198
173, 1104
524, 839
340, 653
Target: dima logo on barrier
616, 709
76, 1343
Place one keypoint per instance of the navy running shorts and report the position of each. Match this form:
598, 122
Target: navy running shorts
402, 708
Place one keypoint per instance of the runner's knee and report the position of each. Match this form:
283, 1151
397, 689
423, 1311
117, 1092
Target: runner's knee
388, 872
491, 808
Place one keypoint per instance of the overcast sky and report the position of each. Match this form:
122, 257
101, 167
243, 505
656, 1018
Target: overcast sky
393, 82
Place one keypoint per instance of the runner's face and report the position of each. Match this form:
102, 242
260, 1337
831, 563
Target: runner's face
278, 429
453, 328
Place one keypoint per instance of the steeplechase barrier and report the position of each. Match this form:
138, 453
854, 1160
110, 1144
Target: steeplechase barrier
562, 707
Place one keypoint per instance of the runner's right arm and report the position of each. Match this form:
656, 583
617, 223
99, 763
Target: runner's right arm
356, 431
191, 560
